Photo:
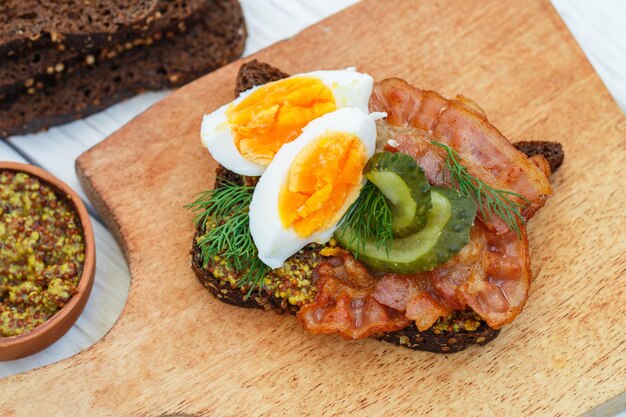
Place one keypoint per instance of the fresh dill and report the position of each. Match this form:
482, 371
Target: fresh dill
226, 210
489, 201
370, 218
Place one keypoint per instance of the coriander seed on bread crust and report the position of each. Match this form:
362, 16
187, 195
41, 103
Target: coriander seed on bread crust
33, 68
66, 25
216, 40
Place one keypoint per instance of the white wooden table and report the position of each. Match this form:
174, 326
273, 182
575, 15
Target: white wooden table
598, 25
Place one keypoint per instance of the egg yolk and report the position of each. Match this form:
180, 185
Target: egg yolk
322, 180
275, 114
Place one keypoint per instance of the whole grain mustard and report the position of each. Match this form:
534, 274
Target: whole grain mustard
42, 252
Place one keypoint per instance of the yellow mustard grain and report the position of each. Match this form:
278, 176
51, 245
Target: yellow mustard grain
41, 253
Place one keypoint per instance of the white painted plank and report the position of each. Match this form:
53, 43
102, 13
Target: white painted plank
315, 11
103, 123
8, 154
270, 21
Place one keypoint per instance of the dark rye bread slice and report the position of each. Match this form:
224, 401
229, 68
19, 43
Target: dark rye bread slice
433, 340
81, 24
552, 151
254, 73
30, 69
74, 23
214, 41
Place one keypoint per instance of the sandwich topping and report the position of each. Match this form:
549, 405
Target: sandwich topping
274, 114
428, 225
245, 135
418, 122
491, 275
310, 184
417, 210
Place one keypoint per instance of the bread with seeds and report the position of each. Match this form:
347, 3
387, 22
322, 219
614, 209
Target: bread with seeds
32, 68
215, 40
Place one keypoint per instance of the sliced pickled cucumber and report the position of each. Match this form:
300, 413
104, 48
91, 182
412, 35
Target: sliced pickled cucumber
402, 181
445, 234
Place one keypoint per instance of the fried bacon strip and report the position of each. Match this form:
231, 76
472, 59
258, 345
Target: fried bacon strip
344, 304
491, 275
415, 117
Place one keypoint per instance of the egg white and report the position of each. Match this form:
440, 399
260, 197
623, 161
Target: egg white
349, 87
274, 242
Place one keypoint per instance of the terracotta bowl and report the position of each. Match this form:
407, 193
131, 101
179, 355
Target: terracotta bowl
41, 337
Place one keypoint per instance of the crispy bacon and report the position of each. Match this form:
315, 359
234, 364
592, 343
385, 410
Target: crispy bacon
415, 117
542, 163
343, 306
413, 294
491, 275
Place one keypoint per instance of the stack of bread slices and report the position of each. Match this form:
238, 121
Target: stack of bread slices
65, 59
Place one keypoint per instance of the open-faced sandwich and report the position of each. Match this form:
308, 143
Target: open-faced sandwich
368, 210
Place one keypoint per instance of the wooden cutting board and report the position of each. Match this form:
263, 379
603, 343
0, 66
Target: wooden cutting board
175, 349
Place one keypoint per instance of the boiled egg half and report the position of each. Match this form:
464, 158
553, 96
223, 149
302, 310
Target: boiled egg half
310, 184
244, 135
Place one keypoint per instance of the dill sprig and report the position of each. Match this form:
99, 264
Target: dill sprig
370, 217
489, 201
226, 210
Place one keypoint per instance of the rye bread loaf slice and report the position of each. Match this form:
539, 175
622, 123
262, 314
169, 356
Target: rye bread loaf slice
552, 151
68, 24
214, 41
27, 23
32, 68
434, 339
431, 340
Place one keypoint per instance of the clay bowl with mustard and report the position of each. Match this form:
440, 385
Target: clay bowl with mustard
47, 259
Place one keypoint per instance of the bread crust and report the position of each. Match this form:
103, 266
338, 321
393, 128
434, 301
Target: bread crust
254, 73
217, 39
33, 68
92, 24
552, 151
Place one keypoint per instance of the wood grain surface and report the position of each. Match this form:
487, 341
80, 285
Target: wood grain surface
177, 350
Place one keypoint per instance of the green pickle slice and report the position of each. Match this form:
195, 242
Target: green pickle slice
445, 233
403, 183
